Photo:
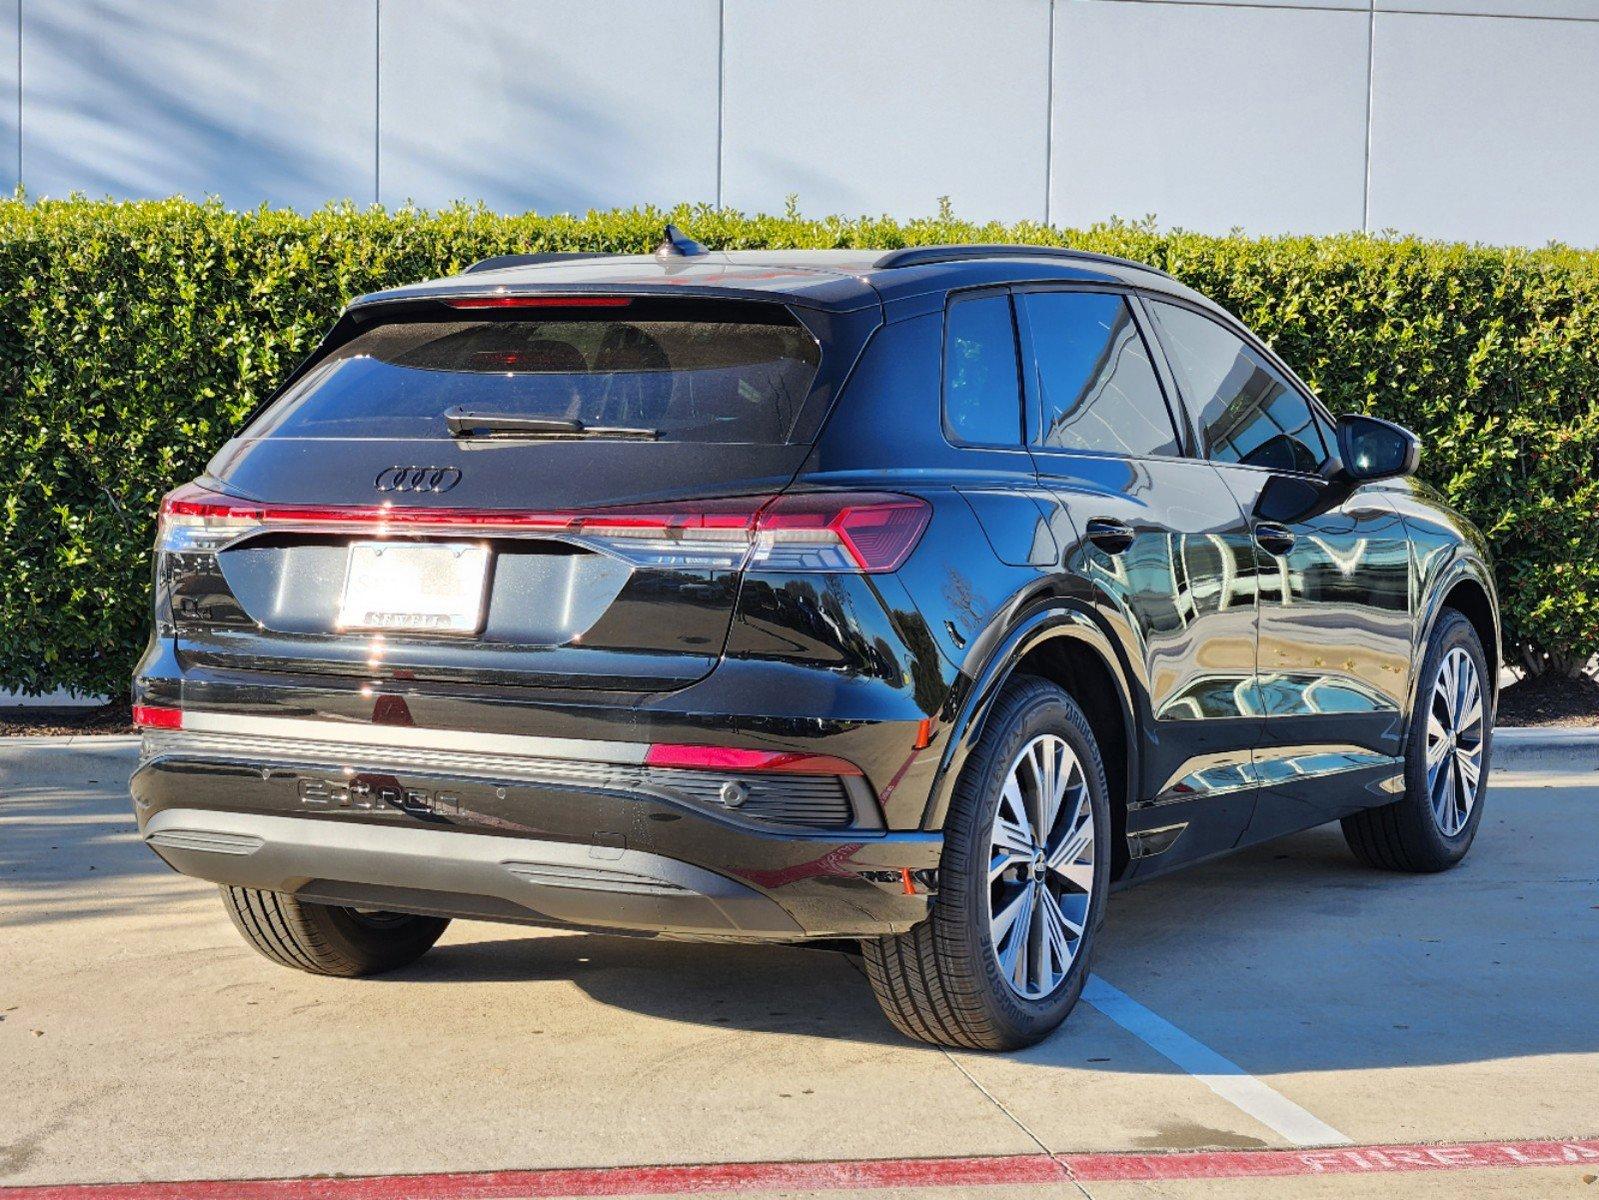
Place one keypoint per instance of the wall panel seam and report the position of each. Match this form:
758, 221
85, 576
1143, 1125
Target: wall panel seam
1371, 96
1412, 12
377, 101
1049, 116
721, 75
19, 93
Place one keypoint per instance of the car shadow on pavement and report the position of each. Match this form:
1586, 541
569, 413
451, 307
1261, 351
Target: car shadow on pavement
1289, 957
762, 989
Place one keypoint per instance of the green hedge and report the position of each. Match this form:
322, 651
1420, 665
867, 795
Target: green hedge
134, 336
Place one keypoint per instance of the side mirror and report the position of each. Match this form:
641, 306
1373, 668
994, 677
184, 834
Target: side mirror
1376, 449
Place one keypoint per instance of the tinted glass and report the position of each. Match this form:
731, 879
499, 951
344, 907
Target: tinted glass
1097, 386
1248, 413
982, 389
705, 380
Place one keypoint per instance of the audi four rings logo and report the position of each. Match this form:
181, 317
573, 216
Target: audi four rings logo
418, 479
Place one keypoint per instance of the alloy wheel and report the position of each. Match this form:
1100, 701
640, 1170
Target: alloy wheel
1455, 742
1041, 867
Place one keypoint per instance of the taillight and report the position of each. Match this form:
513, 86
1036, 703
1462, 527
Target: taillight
193, 518
826, 531
818, 531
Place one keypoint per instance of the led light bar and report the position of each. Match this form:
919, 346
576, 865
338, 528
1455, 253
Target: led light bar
810, 532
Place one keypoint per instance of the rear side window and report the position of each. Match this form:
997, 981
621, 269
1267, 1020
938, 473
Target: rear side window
702, 373
1248, 412
982, 385
1097, 388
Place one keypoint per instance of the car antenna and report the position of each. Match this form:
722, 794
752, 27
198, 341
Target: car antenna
677, 244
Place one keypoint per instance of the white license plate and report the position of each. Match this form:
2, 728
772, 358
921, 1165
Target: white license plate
436, 588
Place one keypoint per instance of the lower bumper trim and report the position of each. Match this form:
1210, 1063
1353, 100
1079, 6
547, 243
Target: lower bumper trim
464, 874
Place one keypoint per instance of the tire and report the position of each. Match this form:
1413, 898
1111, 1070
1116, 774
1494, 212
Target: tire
325, 939
1410, 834
942, 982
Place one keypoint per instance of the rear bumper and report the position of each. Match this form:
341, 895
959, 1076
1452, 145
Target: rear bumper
462, 874
572, 841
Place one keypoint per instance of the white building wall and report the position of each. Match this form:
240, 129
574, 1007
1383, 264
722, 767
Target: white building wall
547, 104
1474, 119
10, 93
255, 102
884, 107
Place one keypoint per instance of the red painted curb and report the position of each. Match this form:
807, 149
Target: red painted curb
857, 1174
1342, 1160
866, 1174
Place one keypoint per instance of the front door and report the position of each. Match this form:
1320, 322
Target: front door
1332, 572
1164, 553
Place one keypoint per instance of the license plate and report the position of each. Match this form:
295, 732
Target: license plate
437, 588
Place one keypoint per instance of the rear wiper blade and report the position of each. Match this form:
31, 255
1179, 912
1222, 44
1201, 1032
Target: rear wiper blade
464, 423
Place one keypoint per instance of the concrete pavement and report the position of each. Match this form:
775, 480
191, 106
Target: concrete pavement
142, 1040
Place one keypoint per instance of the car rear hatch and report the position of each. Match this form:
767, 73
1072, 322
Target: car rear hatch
535, 490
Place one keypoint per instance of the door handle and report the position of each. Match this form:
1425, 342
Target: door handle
1110, 536
1273, 538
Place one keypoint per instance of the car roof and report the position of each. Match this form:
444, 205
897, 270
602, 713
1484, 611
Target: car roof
836, 280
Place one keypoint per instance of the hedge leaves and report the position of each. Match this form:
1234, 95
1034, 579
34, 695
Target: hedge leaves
133, 337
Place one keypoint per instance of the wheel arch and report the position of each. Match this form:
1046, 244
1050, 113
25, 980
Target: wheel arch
1469, 597
1468, 589
1067, 647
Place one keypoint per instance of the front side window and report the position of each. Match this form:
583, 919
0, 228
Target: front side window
1248, 412
1097, 387
982, 388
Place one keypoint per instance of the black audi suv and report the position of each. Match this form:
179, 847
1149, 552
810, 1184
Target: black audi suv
916, 599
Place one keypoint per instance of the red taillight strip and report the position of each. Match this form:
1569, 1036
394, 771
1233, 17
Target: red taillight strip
732, 758
875, 532
540, 302
153, 716
730, 514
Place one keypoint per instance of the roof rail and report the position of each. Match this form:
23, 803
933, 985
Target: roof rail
921, 256
500, 261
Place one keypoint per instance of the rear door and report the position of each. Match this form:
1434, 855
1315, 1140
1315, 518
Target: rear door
554, 491
1333, 570
1163, 549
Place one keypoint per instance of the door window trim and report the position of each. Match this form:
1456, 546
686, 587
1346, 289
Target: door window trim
1182, 431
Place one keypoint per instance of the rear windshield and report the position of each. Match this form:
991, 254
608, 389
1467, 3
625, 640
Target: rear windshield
700, 373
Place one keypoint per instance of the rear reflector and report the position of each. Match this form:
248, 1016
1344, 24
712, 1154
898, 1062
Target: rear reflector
150, 716
815, 531
540, 302
731, 758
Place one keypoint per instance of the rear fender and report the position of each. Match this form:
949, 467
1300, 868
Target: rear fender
1034, 630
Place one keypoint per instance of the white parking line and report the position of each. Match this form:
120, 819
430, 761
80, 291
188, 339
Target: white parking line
1222, 1076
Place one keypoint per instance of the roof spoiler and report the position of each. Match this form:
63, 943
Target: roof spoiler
673, 244
500, 261
922, 256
